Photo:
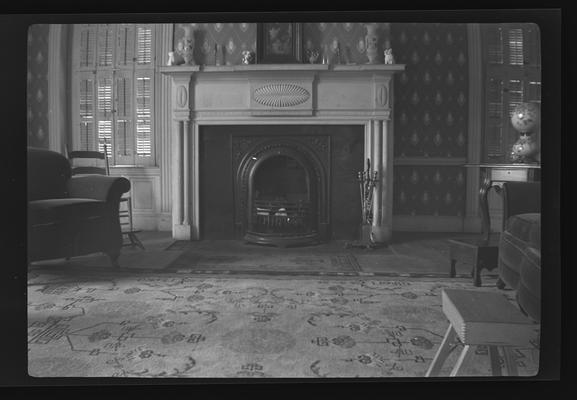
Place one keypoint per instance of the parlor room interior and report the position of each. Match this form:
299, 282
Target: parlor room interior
304, 200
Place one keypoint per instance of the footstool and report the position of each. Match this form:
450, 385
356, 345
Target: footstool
482, 318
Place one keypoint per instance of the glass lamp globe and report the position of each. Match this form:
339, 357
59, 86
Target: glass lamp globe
525, 117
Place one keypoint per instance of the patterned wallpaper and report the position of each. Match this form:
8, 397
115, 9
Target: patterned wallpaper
431, 94
430, 111
232, 37
429, 190
236, 37
430, 117
37, 86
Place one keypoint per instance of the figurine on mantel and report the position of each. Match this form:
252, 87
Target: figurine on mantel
174, 58
389, 58
312, 55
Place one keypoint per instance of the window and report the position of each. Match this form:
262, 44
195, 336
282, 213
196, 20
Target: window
113, 101
512, 57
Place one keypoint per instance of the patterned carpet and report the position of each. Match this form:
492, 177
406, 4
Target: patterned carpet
334, 259
173, 325
269, 264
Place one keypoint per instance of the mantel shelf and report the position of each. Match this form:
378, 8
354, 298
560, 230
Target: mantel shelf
179, 69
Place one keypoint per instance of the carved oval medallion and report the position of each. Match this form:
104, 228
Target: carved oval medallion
382, 95
182, 96
281, 95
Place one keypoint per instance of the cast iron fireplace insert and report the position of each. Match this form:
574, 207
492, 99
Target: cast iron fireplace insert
281, 191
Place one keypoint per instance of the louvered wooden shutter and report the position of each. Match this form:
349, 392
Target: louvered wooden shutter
124, 137
113, 91
145, 45
125, 45
87, 47
105, 47
144, 92
104, 108
494, 118
86, 113
144, 100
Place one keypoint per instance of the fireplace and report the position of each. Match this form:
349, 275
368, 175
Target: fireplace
283, 95
281, 188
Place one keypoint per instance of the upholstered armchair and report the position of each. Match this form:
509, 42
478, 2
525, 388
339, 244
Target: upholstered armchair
71, 215
520, 244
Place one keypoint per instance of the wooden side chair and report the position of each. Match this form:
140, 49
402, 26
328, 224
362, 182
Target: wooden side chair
96, 162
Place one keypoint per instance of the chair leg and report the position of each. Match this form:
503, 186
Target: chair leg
462, 360
510, 361
494, 356
113, 256
453, 271
442, 353
135, 241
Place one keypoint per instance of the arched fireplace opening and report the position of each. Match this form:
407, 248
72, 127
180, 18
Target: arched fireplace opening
283, 185
282, 199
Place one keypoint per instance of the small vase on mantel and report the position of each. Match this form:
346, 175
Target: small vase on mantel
372, 43
186, 46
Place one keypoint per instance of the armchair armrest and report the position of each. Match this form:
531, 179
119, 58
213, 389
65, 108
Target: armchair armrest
520, 198
98, 187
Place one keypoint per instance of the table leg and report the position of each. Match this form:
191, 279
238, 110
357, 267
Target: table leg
478, 268
484, 205
442, 353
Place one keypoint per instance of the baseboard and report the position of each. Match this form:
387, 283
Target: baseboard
152, 222
426, 223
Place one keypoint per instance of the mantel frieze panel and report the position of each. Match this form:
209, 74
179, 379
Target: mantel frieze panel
324, 116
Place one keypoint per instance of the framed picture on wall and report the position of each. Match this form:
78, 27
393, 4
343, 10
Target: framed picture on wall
279, 43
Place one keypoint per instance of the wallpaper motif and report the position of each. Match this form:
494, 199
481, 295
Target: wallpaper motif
429, 190
430, 116
37, 86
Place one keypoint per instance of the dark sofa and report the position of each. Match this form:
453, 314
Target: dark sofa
71, 215
520, 244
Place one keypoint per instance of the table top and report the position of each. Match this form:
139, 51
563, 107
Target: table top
508, 166
477, 242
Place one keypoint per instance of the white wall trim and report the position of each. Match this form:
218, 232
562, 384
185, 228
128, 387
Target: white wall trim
57, 78
475, 127
427, 223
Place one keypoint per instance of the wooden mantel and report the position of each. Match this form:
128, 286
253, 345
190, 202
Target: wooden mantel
274, 94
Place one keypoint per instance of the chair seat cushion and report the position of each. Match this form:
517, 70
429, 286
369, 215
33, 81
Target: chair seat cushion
529, 291
522, 231
60, 210
526, 229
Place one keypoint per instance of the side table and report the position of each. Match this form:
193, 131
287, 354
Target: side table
484, 252
480, 253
